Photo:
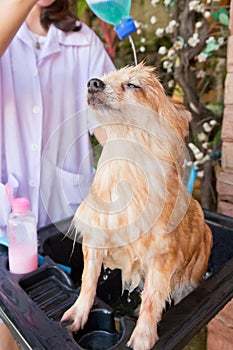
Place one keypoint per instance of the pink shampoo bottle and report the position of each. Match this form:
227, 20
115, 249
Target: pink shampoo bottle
22, 238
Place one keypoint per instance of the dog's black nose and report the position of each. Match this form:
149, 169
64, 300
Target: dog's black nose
95, 85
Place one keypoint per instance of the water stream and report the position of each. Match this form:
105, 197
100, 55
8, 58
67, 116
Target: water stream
134, 50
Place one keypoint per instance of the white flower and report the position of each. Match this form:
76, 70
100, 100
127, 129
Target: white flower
154, 2
221, 41
198, 25
139, 31
172, 25
207, 128
153, 20
193, 5
199, 156
212, 44
168, 30
207, 14
167, 2
171, 52
159, 32
142, 49
200, 174
171, 84
143, 40
162, 50
196, 152
206, 145
202, 57
202, 137
200, 74
201, 8
167, 65
196, 5
194, 40
210, 39
178, 45
213, 122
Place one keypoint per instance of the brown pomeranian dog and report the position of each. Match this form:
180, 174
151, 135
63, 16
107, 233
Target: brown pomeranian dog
138, 215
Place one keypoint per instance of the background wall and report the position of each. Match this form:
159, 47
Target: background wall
225, 179
220, 329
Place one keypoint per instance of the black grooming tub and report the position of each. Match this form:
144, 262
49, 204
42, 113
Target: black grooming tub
31, 305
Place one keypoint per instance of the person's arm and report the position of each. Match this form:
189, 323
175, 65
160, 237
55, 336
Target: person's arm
12, 15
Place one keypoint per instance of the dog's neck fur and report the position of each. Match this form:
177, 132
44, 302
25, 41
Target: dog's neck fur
127, 125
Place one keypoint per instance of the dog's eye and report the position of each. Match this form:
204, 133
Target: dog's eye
133, 86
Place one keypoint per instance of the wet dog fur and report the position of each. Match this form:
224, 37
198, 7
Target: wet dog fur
138, 215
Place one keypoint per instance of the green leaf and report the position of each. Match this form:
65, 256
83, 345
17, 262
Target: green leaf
82, 5
224, 19
211, 46
216, 108
215, 16
208, 53
222, 10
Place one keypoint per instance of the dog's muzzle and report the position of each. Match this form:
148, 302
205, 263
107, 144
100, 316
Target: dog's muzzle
95, 85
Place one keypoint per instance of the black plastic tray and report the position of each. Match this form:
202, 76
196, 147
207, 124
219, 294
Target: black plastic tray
32, 305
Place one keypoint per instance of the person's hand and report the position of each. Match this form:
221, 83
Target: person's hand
12, 15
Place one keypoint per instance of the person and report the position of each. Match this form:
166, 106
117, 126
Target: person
47, 58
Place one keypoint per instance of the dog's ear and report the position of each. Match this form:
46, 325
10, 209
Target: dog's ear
185, 119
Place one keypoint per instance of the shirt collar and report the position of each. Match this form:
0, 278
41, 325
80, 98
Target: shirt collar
54, 39
80, 38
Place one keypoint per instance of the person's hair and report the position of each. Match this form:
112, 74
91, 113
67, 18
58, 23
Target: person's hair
60, 14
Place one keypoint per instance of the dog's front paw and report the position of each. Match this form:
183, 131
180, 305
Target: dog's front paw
143, 338
78, 315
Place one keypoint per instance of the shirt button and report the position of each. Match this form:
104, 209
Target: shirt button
34, 147
32, 183
36, 109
